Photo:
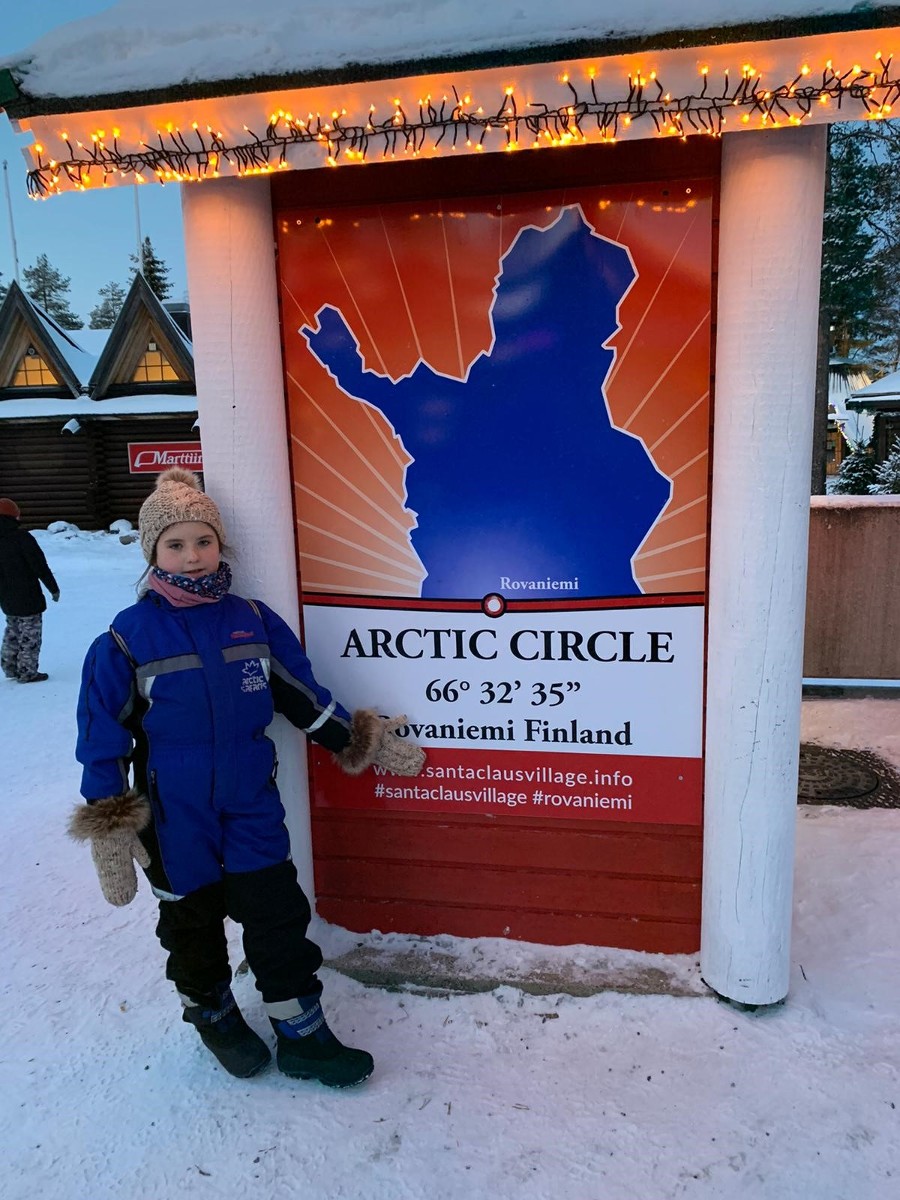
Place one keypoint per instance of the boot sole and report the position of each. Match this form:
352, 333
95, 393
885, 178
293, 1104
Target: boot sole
257, 1070
332, 1083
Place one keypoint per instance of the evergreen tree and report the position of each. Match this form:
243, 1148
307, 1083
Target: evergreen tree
884, 219
3, 288
154, 270
852, 273
50, 288
887, 474
856, 473
859, 316
103, 315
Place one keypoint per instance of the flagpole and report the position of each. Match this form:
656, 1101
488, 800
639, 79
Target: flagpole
12, 226
137, 229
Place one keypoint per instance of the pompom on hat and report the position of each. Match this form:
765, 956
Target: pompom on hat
9, 508
177, 498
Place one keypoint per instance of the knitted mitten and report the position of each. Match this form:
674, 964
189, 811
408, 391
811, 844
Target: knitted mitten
396, 754
373, 740
112, 826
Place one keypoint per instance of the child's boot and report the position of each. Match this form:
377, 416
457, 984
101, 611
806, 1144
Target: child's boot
307, 1049
223, 1030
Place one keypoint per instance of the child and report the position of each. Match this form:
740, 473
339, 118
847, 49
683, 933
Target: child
181, 689
23, 569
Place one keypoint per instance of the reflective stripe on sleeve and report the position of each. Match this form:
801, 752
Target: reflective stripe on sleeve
326, 713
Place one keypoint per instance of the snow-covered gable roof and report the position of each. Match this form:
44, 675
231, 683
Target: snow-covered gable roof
80, 360
187, 92
24, 321
135, 48
78, 357
141, 309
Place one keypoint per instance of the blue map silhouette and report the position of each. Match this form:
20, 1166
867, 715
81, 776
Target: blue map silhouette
517, 470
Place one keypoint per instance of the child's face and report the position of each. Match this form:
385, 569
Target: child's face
188, 548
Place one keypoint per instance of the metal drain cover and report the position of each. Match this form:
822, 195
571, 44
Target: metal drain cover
836, 775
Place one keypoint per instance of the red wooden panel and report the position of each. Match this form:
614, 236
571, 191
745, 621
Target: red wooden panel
562, 891
552, 929
669, 851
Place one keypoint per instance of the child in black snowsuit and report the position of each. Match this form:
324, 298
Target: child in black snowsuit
23, 568
178, 694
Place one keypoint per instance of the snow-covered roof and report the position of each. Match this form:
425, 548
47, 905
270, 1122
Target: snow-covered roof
83, 406
185, 92
887, 385
91, 341
133, 47
141, 301
883, 394
81, 361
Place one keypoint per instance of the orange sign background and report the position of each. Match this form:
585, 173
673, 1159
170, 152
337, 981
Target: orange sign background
415, 281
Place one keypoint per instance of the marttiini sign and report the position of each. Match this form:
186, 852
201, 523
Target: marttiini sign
150, 457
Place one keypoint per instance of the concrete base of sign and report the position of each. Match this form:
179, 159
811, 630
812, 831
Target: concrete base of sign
436, 970
424, 966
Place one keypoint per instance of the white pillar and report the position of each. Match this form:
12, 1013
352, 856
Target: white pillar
230, 248
769, 262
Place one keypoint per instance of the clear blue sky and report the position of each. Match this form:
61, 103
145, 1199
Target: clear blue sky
86, 236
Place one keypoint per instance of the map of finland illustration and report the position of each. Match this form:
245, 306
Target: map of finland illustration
485, 394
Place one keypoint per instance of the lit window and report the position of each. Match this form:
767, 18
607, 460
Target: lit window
153, 367
33, 372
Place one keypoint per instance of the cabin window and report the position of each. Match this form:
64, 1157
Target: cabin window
154, 367
33, 372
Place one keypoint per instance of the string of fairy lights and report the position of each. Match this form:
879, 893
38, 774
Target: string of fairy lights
192, 155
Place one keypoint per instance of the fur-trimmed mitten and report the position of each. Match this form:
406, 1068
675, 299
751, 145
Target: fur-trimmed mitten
373, 740
112, 826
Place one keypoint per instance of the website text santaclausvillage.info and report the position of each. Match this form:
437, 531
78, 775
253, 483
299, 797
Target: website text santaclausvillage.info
592, 789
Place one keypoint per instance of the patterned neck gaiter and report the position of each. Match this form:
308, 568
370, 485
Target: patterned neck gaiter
183, 592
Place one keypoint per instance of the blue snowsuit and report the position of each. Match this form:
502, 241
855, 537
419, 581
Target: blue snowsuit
183, 697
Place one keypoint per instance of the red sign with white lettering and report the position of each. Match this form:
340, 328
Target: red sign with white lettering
151, 457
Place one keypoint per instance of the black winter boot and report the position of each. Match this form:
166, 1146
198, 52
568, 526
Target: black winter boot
307, 1049
223, 1030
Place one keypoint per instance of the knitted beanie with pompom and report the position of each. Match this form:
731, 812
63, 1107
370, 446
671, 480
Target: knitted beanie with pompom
177, 498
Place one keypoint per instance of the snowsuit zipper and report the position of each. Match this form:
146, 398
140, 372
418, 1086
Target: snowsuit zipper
156, 803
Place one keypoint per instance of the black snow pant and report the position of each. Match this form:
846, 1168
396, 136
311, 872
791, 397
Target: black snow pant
274, 912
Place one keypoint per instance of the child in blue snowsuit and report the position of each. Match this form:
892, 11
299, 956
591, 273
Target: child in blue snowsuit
178, 694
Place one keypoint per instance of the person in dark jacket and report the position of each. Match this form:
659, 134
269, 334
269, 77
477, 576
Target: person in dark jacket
179, 776
23, 568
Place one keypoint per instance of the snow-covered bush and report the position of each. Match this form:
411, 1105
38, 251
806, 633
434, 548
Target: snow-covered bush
856, 473
887, 474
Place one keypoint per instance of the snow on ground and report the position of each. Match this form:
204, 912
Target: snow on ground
106, 1093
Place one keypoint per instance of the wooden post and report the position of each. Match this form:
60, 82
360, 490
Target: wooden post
230, 249
769, 261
